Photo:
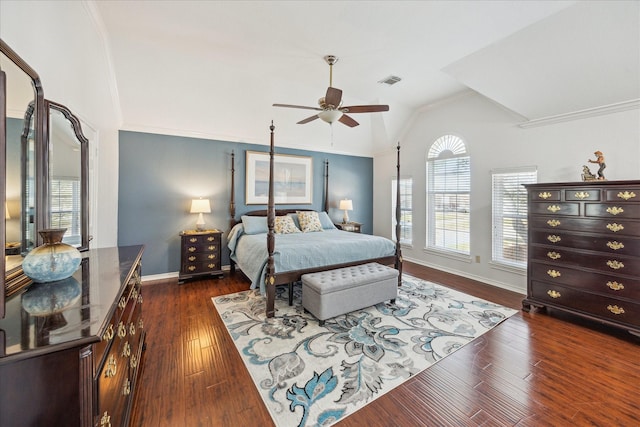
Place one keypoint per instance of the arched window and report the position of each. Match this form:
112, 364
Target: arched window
448, 195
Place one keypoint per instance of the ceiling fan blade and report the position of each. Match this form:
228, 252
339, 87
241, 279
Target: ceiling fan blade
297, 106
308, 119
333, 97
365, 108
348, 121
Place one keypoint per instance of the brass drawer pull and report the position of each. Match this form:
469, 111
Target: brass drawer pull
105, 421
615, 309
193, 239
111, 368
615, 264
126, 351
123, 303
212, 256
140, 324
554, 294
627, 195
126, 390
192, 249
554, 273
553, 238
615, 227
553, 222
133, 361
615, 245
211, 238
122, 330
582, 195
212, 247
554, 255
140, 298
191, 267
615, 286
211, 265
132, 328
615, 210
108, 334
544, 195
554, 208
192, 258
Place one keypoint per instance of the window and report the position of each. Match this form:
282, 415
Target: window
65, 208
406, 185
448, 196
509, 204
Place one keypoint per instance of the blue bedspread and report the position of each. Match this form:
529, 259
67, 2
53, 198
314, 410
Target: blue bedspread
303, 250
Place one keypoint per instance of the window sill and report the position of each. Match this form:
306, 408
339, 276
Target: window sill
522, 271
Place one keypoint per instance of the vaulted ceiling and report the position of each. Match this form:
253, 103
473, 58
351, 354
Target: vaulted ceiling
213, 69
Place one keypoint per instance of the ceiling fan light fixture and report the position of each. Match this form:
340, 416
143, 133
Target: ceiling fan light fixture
330, 116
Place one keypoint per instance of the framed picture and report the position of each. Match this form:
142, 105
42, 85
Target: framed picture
292, 179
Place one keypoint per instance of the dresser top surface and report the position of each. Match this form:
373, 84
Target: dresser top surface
597, 183
91, 292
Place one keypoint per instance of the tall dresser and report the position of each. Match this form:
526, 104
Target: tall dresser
77, 366
584, 250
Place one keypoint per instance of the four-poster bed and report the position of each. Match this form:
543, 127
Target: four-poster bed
301, 253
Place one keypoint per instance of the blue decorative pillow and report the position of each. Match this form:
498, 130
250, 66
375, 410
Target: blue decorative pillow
295, 219
254, 224
326, 222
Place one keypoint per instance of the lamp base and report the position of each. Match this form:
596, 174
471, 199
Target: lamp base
345, 218
200, 223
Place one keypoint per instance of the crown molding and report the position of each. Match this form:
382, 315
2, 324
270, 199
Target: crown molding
582, 114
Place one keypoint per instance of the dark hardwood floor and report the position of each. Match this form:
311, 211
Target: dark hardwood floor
534, 369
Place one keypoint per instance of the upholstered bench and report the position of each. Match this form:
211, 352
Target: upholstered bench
331, 293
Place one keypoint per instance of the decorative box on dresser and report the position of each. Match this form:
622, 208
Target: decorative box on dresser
200, 254
584, 250
78, 366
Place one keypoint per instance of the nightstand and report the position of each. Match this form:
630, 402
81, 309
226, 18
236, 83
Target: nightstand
353, 227
200, 254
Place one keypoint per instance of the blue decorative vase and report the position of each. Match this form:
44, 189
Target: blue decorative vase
45, 299
53, 260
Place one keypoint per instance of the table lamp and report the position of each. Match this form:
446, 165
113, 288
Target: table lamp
346, 205
200, 206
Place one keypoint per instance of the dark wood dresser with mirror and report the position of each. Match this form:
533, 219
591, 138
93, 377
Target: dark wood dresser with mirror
79, 365
584, 250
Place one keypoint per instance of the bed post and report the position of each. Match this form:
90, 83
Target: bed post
232, 205
398, 216
326, 185
271, 214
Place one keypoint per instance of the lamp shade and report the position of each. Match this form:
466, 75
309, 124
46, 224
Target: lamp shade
346, 205
200, 206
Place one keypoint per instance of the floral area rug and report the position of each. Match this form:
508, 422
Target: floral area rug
312, 375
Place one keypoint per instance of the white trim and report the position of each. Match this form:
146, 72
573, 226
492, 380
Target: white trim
171, 275
484, 280
449, 254
582, 114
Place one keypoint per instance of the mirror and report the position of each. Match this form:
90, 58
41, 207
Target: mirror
68, 177
23, 106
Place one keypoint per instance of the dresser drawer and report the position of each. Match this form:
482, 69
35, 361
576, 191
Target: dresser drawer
544, 195
201, 239
619, 311
613, 264
611, 227
582, 194
555, 208
200, 248
611, 210
610, 244
200, 267
626, 194
205, 257
602, 283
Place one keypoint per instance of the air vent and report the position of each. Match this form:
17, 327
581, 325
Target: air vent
391, 80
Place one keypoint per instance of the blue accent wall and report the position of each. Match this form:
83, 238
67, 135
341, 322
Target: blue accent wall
160, 174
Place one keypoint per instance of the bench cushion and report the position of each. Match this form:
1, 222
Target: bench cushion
326, 282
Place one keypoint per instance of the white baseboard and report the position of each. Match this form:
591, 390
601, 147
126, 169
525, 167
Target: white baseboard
495, 283
170, 275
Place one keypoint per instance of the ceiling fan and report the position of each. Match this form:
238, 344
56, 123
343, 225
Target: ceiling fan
330, 107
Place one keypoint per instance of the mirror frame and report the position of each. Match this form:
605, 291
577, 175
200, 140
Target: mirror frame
40, 159
84, 168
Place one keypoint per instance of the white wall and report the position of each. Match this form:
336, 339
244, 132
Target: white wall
61, 42
494, 140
